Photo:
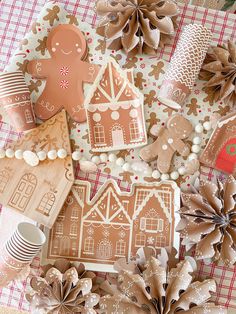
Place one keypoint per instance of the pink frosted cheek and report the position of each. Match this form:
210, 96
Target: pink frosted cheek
79, 50
53, 49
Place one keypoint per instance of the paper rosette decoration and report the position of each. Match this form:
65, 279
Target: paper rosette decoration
219, 70
185, 65
209, 221
64, 288
137, 26
157, 288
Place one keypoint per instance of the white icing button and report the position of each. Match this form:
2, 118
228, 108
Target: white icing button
112, 157
156, 174
192, 156
207, 125
174, 175
199, 128
96, 160
120, 162
103, 157
196, 149
19, 154
126, 166
76, 155
52, 154
170, 140
42, 155
197, 140
164, 147
87, 166
165, 176
61, 153
31, 158
2, 153
182, 171
10, 153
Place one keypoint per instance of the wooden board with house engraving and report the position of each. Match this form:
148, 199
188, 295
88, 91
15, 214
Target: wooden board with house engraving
34, 191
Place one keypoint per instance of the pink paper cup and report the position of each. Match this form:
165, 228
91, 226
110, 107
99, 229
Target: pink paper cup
15, 98
10, 267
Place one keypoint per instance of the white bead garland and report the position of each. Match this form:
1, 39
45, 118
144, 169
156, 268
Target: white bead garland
120, 162
10, 153
103, 157
112, 157
197, 140
192, 156
52, 154
165, 176
195, 148
19, 154
126, 166
42, 155
2, 153
156, 174
207, 126
199, 128
76, 155
61, 153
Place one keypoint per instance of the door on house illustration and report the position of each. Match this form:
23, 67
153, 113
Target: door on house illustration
65, 246
104, 250
226, 159
23, 192
117, 135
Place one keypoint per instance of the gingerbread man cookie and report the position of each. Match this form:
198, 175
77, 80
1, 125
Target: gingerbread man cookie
169, 141
64, 72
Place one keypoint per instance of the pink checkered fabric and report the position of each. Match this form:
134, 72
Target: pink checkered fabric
16, 16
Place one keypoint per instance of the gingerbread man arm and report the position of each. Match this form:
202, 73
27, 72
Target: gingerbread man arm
39, 68
179, 146
90, 72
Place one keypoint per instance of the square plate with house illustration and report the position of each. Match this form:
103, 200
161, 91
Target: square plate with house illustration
113, 224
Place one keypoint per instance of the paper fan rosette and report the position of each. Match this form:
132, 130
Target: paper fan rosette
219, 70
137, 26
157, 288
63, 288
208, 220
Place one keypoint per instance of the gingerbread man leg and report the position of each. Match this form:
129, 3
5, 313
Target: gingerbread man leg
164, 159
150, 152
76, 111
46, 107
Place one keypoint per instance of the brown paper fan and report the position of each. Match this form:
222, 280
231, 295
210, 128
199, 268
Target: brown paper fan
209, 221
64, 288
137, 26
219, 70
158, 288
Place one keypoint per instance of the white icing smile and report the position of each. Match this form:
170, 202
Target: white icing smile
65, 52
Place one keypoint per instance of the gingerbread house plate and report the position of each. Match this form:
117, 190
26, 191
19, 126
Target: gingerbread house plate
115, 111
220, 152
113, 224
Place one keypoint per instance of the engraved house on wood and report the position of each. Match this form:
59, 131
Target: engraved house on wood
115, 111
113, 225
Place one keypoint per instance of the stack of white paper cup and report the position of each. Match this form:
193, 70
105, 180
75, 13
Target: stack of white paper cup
19, 250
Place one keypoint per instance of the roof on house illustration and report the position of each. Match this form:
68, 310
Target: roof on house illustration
227, 119
111, 85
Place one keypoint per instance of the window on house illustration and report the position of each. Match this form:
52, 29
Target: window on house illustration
120, 248
161, 241
74, 248
75, 213
89, 245
134, 128
81, 192
99, 134
141, 195
151, 224
56, 244
4, 178
28, 116
46, 203
59, 228
62, 214
140, 240
74, 229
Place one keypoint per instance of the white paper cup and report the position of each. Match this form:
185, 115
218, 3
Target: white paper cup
30, 234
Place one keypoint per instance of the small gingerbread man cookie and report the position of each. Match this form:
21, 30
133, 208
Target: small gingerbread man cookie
65, 74
169, 141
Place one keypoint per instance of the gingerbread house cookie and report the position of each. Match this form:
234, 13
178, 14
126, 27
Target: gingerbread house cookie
220, 152
115, 111
114, 224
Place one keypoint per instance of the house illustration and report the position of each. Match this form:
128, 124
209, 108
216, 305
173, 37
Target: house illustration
114, 224
115, 111
220, 152
34, 191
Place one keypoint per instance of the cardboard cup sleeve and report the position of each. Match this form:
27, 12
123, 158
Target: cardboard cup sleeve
185, 65
15, 98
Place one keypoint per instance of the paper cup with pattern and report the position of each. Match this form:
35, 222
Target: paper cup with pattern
15, 98
19, 250
185, 65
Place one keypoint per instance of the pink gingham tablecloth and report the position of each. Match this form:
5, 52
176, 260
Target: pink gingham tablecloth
15, 19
